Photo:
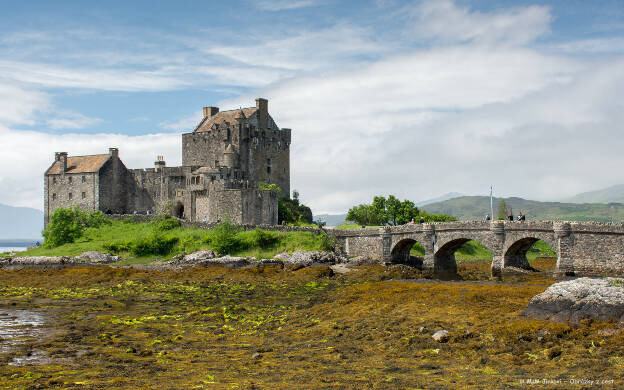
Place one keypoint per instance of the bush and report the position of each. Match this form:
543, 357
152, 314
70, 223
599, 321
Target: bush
118, 246
225, 238
68, 224
153, 244
165, 223
264, 239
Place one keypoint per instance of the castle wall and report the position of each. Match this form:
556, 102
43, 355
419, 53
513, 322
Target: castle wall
151, 187
115, 183
83, 188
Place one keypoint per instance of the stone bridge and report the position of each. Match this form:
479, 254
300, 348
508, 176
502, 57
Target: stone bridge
583, 248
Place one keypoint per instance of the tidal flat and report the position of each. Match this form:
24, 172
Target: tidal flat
270, 328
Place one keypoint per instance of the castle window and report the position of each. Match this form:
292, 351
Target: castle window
228, 134
54, 180
268, 161
84, 178
53, 196
70, 195
70, 179
216, 163
84, 194
268, 169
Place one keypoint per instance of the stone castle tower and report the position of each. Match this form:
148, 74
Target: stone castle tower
224, 160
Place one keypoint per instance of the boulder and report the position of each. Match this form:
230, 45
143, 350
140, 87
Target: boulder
441, 336
195, 257
301, 259
96, 257
36, 260
225, 261
583, 298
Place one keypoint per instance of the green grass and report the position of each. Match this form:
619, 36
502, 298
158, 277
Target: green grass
188, 240
475, 251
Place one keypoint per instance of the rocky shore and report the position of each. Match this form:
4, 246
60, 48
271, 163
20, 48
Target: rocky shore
580, 299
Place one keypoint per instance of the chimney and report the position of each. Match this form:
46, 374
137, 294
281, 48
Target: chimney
210, 111
263, 113
62, 157
159, 163
114, 152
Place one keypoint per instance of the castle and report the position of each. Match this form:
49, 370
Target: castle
224, 161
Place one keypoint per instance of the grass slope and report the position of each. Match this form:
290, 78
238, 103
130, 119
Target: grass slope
188, 240
614, 194
476, 207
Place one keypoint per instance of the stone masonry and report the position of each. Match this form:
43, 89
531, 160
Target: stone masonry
583, 248
224, 160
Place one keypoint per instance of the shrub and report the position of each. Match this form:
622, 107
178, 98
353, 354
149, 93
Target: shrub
165, 223
264, 239
68, 224
118, 246
225, 238
153, 244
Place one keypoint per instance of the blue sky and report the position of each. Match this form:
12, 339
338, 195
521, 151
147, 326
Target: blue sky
415, 98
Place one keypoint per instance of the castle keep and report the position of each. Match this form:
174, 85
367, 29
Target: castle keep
224, 159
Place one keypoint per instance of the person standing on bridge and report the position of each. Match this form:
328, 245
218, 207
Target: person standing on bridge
422, 219
487, 217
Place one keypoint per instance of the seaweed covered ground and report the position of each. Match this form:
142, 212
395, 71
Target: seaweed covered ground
269, 328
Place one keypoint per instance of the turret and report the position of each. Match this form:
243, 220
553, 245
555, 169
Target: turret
263, 113
230, 157
159, 163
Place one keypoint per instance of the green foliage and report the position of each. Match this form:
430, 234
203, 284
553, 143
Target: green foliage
153, 244
502, 210
436, 217
264, 239
165, 222
383, 211
292, 211
224, 238
269, 187
68, 224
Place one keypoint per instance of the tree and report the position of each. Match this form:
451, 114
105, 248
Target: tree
383, 211
502, 210
292, 211
67, 224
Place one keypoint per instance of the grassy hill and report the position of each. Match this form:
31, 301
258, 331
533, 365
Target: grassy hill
476, 207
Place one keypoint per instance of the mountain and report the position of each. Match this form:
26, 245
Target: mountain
441, 198
20, 222
614, 194
476, 207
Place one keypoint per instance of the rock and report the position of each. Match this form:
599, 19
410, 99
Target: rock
580, 299
195, 257
97, 257
422, 330
256, 356
441, 336
301, 259
225, 261
37, 261
362, 260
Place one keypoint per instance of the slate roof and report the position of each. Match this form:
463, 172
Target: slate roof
224, 116
80, 164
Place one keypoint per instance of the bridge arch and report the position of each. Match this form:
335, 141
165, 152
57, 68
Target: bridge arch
400, 252
444, 256
515, 253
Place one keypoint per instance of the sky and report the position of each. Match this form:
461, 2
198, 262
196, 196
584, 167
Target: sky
411, 98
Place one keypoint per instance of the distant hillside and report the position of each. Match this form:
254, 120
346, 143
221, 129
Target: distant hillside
614, 194
441, 198
476, 207
20, 222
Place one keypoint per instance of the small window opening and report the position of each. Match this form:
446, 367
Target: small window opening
70, 179
268, 169
84, 194
53, 196
70, 196
54, 180
84, 179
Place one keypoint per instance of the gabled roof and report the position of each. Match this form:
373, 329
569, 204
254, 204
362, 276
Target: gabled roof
224, 116
80, 164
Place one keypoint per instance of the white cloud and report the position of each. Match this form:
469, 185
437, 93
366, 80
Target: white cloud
183, 125
72, 121
443, 20
19, 104
281, 5
24, 186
